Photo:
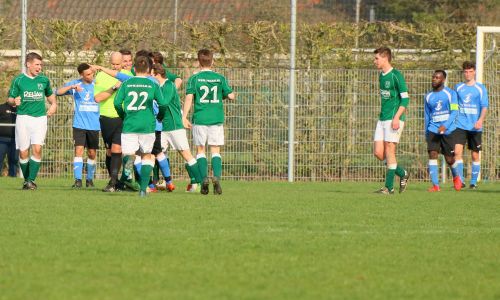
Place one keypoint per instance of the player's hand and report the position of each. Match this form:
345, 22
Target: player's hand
479, 124
118, 84
441, 129
17, 101
186, 123
51, 111
395, 124
77, 88
95, 67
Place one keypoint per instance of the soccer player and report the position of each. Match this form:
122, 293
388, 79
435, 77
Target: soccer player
173, 131
111, 124
29, 91
473, 105
158, 59
86, 124
440, 112
394, 94
134, 104
207, 89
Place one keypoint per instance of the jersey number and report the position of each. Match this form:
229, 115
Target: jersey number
206, 91
135, 96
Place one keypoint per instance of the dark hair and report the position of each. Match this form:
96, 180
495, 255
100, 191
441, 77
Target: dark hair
442, 72
385, 52
125, 52
159, 70
157, 57
468, 65
83, 67
32, 56
205, 57
142, 64
143, 52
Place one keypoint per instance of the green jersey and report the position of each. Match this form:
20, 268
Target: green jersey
134, 104
394, 94
173, 116
104, 82
32, 91
208, 89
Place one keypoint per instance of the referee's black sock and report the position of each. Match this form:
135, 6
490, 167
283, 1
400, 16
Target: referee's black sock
116, 163
108, 165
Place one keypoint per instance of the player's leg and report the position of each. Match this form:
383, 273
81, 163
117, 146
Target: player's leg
23, 144
13, 157
458, 166
79, 142
433, 148
146, 143
38, 132
378, 142
116, 151
92, 145
390, 156
216, 140
474, 141
107, 133
193, 167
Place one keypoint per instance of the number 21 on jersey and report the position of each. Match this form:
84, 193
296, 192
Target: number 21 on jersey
206, 91
135, 97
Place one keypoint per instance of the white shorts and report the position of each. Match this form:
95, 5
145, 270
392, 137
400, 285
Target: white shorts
131, 142
30, 131
213, 134
384, 131
176, 138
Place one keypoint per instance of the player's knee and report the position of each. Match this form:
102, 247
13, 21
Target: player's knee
433, 155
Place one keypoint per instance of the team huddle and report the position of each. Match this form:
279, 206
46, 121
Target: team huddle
137, 109
452, 118
136, 106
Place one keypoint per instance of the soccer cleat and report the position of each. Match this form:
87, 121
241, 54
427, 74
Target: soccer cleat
110, 188
170, 187
217, 187
89, 183
463, 185
161, 185
384, 191
143, 194
457, 183
204, 186
77, 184
434, 188
151, 188
403, 182
192, 188
25, 185
473, 186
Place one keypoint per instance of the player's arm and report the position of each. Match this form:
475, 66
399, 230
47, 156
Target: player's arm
174, 78
65, 90
484, 109
51, 98
107, 93
227, 92
118, 103
14, 94
188, 101
162, 103
426, 117
453, 112
405, 100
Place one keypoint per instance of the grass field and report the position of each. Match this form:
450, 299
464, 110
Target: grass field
259, 240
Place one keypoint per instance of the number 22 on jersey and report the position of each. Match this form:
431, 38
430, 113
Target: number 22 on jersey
135, 97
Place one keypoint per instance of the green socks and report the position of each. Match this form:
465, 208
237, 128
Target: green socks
30, 168
389, 177
400, 171
201, 159
146, 168
217, 165
194, 171
24, 164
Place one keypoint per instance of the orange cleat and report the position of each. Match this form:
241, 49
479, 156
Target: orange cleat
170, 187
434, 188
457, 183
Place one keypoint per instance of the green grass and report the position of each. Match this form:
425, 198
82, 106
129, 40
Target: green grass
259, 240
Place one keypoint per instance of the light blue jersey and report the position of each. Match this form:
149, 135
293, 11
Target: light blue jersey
471, 100
86, 114
440, 108
122, 77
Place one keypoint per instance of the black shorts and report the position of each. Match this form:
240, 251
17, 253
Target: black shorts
86, 138
157, 145
473, 139
442, 143
111, 130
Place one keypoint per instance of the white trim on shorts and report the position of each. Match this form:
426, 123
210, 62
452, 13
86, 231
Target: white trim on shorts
211, 134
30, 131
384, 131
176, 138
131, 142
